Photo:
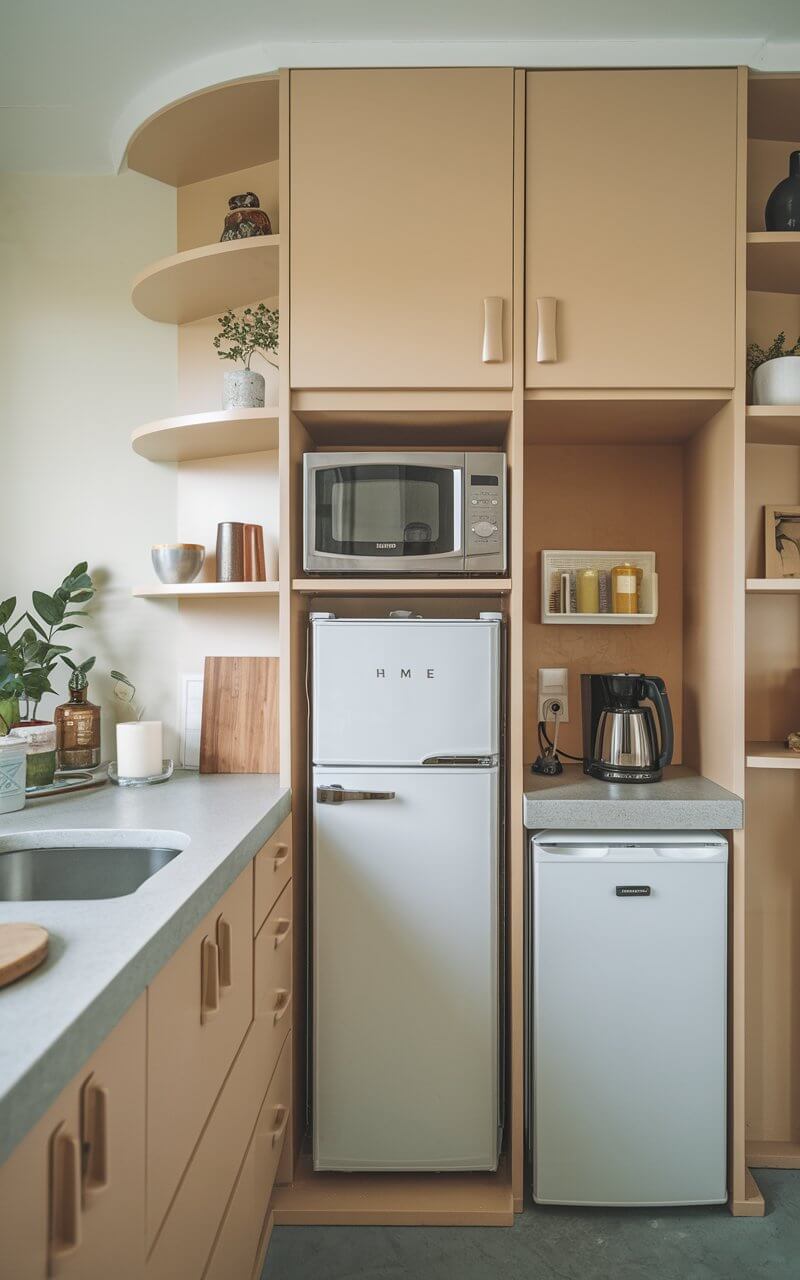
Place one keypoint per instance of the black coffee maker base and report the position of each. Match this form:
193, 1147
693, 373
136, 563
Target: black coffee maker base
606, 774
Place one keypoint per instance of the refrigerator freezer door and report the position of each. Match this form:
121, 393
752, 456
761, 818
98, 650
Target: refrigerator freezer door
629, 1025
406, 956
398, 693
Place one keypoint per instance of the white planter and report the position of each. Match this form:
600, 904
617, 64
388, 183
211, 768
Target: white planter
777, 381
243, 389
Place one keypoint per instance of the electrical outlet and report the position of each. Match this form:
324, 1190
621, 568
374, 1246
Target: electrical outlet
553, 687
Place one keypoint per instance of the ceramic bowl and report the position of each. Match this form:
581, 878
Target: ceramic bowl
178, 562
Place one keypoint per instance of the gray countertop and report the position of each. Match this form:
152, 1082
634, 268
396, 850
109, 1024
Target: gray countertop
104, 953
683, 800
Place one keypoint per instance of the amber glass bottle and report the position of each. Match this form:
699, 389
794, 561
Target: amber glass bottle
77, 727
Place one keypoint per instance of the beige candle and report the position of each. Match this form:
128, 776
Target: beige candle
588, 588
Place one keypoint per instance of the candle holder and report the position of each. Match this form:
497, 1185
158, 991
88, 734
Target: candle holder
167, 769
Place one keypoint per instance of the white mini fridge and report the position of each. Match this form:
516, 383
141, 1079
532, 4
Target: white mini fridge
627, 1015
405, 899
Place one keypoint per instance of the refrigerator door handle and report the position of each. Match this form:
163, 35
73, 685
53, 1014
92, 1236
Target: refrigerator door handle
338, 795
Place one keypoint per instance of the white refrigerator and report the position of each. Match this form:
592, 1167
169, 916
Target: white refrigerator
405, 893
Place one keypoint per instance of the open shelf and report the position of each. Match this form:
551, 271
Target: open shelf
773, 1155
394, 1199
401, 586
556, 563
773, 424
193, 139
771, 755
603, 416
773, 107
773, 261
198, 282
773, 586
207, 435
205, 590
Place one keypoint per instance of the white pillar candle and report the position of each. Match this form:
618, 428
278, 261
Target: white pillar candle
140, 749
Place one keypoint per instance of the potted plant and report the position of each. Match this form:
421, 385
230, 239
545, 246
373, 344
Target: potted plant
29, 653
775, 371
239, 338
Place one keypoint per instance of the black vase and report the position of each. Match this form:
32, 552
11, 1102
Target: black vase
783, 207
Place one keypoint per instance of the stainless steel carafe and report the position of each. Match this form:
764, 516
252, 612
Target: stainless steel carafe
621, 743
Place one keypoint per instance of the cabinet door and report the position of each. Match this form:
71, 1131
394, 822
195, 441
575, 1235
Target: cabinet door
199, 1008
631, 205
401, 226
272, 977
273, 871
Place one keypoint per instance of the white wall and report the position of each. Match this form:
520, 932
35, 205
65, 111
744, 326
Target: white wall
79, 369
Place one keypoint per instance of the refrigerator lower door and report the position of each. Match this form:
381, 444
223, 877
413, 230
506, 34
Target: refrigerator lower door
629, 1025
405, 970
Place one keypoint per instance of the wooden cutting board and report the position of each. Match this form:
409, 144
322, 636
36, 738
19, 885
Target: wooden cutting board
22, 948
239, 728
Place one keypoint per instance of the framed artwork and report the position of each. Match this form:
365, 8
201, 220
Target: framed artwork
782, 542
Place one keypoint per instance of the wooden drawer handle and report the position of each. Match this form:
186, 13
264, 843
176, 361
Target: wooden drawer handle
282, 930
282, 1009
282, 1116
65, 1193
94, 1137
225, 948
546, 346
281, 854
209, 979
492, 330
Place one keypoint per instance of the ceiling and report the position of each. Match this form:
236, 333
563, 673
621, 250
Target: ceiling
78, 76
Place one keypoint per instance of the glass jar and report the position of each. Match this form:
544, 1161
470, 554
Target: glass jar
78, 727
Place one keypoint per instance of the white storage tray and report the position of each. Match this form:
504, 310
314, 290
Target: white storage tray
558, 562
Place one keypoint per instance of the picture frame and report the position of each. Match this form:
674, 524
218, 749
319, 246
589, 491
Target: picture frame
781, 541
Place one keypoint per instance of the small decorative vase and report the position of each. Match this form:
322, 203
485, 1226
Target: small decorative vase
39, 736
245, 218
9, 714
777, 381
243, 389
783, 207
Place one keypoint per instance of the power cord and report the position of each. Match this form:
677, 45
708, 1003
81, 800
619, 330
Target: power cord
548, 762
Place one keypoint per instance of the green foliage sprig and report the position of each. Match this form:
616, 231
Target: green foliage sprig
757, 355
256, 329
28, 659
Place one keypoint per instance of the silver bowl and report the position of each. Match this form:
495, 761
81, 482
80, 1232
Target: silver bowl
177, 562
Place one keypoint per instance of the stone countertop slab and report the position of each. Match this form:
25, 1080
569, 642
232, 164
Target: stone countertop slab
682, 801
103, 953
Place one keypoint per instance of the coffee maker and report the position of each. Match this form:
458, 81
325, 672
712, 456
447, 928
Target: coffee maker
620, 743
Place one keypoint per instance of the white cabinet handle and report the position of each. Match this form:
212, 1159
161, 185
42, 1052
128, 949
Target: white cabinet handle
546, 347
492, 330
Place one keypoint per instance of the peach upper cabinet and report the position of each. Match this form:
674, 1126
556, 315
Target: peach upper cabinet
631, 211
401, 228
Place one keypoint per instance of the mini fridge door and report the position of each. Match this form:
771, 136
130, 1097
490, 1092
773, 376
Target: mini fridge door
400, 692
405, 969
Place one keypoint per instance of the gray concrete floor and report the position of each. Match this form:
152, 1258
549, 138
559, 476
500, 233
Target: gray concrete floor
560, 1244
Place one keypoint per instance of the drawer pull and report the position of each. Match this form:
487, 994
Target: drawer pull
281, 854
285, 998
492, 331
209, 979
225, 948
546, 346
94, 1137
65, 1193
282, 1116
282, 930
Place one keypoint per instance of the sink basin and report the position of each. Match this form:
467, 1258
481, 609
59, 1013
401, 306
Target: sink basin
78, 865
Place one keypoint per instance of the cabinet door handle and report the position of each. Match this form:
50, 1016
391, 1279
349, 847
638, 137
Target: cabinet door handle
209, 979
492, 330
283, 1007
282, 930
281, 854
546, 346
94, 1137
282, 1116
65, 1193
225, 948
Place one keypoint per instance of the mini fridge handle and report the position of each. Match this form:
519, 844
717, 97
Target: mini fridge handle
338, 795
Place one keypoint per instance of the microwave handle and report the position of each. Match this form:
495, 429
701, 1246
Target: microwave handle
459, 507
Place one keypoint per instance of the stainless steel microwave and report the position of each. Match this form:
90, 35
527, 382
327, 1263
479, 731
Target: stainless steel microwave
415, 513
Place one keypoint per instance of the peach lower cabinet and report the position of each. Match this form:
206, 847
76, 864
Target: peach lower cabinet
158, 1160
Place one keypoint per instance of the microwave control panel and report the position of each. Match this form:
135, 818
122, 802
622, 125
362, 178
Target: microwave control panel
485, 514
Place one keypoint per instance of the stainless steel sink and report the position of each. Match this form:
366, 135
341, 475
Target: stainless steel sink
44, 867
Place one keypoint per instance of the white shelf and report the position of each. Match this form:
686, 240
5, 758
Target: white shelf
204, 590
771, 755
557, 562
773, 586
202, 282
207, 435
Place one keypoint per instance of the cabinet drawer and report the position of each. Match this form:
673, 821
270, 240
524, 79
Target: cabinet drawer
199, 1008
273, 974
273, 872
237, 1245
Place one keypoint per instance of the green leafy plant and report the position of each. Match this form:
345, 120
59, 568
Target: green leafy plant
757, 355
241, 336
125, 692
29, 657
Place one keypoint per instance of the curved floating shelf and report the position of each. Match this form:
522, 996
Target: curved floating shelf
204, 590
198, 282
193, 139
773, 261
207, 435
